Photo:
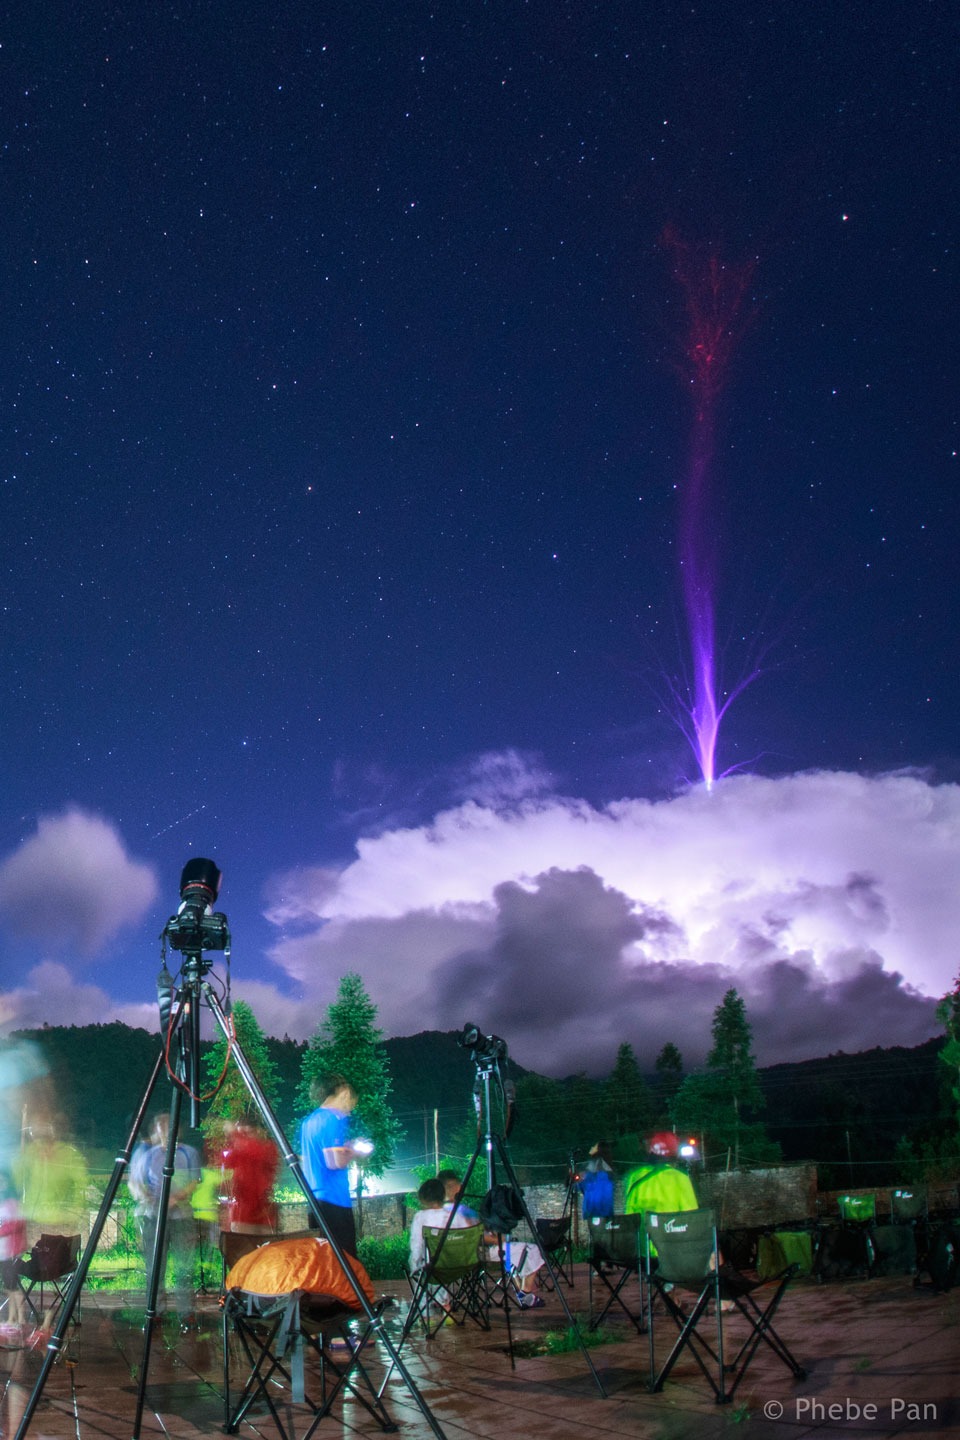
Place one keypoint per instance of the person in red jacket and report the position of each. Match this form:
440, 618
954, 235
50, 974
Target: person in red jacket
253, 1161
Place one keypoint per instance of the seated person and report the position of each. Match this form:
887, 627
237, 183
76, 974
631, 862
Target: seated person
596, 1183
523, 1260
432, 1212
656, 1185
528, 1257
452, 1190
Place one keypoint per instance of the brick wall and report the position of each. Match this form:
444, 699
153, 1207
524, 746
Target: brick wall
759, 1197
749, 1197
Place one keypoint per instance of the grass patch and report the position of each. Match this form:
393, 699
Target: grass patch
563, 1342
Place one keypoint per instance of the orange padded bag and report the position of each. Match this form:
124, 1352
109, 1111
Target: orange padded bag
308, 1264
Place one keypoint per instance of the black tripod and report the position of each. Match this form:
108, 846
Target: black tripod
486, 1053
193, 930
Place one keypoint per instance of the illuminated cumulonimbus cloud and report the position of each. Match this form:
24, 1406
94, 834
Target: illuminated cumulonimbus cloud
826, 898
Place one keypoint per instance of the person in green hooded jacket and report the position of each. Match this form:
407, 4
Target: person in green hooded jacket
657, 1186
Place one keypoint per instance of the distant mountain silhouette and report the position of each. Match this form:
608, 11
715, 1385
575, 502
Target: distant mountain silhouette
814, 1107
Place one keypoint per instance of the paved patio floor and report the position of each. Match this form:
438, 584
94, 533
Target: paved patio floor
879, 1343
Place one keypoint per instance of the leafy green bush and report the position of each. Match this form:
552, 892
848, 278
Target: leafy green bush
384, 1259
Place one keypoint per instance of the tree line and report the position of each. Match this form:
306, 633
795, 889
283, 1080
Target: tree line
847, 1111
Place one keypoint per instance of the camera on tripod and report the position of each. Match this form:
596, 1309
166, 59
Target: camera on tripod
192, 929
482, 1047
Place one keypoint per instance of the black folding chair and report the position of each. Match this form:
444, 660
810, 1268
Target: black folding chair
897, 1246
615, 1254
276, 1333
682, 1254
51, 1262
555, 1239
502, 1285
908, 1207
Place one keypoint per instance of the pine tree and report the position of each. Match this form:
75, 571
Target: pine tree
626, 1101
348, 1043
669, 1068
948, 1013
717, 1105
233, 1100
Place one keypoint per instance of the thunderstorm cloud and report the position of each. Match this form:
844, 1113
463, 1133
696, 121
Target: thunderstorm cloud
826, 898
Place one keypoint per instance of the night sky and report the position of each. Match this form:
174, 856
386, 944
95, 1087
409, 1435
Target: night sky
346, 419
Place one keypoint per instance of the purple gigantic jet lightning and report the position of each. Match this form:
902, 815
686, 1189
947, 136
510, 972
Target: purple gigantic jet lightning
714, 293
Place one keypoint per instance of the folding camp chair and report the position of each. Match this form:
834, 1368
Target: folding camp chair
682, 1254
277, 1332
51, 1262
908, 1207
554, 1239
896, 1246
778, 1249
615, 1254
856, 1250
502, 1282
857, 1209
451, 1283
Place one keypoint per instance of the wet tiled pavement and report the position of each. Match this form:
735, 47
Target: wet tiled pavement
881, 1358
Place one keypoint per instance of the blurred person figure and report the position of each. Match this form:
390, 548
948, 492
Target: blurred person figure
180, 1238
22, 1071
205, 1200
596, 1183
326, 1153
51, 1176
13, 1244
452, 1193
205, 1204
253, 1161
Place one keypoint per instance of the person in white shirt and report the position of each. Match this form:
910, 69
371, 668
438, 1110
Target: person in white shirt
432, 1212
524, 1260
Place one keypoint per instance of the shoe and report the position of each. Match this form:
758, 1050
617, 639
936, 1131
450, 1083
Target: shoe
531, 1302
11, 1337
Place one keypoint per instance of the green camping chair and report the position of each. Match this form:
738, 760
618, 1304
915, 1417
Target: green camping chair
687, 1258
451, 1281
616, 1253
781, 1248
857, 1209
908, 1207
896, 1246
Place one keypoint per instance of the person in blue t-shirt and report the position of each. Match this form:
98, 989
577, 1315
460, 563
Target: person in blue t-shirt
326, 1153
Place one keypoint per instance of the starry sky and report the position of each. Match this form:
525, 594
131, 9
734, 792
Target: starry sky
344, 433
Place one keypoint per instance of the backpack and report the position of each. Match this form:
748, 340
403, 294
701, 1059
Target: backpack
501, 1209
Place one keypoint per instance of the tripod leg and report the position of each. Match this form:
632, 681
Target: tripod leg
72, 1296
512, 1175
159, 1260
293, 1162
506, 1302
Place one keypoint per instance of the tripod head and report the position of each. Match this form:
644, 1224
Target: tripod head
194, 929
486, 1051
